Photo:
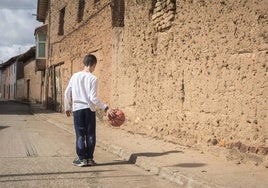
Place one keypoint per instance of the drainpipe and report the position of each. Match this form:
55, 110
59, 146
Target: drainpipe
47, 71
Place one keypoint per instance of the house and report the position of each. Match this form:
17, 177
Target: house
2, 82
20, 78
8, 71
189, 72
30, 80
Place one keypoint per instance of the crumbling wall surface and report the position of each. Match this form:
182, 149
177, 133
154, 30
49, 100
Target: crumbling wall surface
194, 72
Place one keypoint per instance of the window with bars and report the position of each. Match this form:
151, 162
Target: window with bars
61, 21
80, 12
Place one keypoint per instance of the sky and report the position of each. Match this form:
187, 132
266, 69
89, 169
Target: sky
17, 25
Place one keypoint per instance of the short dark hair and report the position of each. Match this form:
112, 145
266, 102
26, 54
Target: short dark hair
90, 60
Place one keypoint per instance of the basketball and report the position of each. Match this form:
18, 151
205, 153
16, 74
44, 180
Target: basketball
118, 120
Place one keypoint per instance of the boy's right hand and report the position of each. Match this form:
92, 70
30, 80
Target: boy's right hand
111, 113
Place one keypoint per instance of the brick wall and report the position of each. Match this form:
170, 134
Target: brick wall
91, 35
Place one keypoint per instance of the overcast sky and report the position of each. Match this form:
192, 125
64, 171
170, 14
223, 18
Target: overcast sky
17, 27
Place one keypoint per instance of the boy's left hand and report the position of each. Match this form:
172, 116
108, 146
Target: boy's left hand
68, 113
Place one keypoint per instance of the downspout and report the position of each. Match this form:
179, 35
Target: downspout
47, 72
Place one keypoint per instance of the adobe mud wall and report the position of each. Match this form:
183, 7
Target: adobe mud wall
194, 72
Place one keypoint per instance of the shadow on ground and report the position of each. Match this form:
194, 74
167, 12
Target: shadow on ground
134, 156
3, 127
189, 165
52, 173
11, 107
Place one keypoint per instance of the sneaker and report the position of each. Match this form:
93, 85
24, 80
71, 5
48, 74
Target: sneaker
91, 162
78, 162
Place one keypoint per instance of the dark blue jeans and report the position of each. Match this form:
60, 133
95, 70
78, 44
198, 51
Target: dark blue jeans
85, 130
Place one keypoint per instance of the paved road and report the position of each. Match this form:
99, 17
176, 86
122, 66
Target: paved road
35, 153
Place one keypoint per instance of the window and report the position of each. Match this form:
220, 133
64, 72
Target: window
41, 46
118, 13
80, 13
61, 22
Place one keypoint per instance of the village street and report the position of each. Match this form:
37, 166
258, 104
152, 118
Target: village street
36, 153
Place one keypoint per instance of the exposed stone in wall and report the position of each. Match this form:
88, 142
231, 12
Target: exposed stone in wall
163, 14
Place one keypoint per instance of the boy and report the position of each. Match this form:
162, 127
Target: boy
82, 91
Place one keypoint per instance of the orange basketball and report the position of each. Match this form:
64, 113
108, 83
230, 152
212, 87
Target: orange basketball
118, 120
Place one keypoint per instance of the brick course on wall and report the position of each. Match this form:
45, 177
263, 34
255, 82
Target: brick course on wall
193, 72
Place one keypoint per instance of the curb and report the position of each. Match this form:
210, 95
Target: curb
146, 163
